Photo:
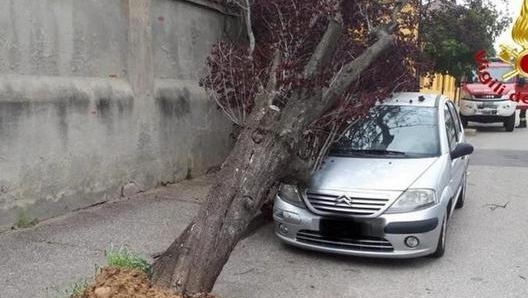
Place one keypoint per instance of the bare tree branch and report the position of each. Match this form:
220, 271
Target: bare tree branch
365, 14
352, 70
272, 84
249, 29
246, 8
326, 46
269, 91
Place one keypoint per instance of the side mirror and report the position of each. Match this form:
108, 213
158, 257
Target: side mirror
461, 149
521, 82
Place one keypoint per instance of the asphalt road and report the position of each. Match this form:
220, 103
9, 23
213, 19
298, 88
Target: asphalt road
487, 248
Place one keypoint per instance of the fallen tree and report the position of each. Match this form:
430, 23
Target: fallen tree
308, 70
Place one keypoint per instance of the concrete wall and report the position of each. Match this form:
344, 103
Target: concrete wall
95, 94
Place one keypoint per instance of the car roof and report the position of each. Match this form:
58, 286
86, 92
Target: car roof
417, 99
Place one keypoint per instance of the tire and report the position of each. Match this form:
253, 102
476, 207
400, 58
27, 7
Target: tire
464, 121
440, 248
510, 123
462, 196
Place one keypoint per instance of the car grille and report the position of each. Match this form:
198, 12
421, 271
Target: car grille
362, 244
344, 204
486, 96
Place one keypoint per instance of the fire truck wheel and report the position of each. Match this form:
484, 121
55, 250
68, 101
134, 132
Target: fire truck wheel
509, 124
464, 121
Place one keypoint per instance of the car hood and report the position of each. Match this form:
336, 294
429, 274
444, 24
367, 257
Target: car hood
481, 89
348, 173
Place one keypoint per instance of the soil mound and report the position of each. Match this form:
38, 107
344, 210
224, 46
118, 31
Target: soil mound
126, 283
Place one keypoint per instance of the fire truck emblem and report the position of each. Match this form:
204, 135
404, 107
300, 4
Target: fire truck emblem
518, 60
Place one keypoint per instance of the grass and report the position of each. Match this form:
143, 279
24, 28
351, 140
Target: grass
25, 222
78, 288
75, 290
124, 258
121, 258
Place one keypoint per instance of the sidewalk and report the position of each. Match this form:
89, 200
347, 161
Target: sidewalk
46, 259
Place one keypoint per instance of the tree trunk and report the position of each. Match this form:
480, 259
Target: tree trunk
193, 262
261, 156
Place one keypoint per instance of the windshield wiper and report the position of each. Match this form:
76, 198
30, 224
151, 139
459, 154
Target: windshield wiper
378, 151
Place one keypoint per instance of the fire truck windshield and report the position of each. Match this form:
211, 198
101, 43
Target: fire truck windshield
496, 72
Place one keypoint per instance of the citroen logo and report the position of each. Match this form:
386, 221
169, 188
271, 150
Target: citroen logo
344, 199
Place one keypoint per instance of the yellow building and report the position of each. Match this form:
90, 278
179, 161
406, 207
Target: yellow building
442, 84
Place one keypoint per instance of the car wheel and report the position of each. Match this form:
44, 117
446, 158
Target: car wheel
509, 124
462, 196
440, 248
464, 121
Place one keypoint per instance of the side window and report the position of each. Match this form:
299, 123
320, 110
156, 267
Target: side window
454, 114
450, 128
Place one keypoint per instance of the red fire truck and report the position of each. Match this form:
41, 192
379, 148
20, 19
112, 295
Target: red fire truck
487, 98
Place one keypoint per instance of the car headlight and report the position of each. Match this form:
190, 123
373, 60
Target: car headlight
469, 105
464, 94
290, 193
510, 105
412, 200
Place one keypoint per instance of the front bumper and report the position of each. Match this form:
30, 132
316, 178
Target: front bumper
487, 110
381, 237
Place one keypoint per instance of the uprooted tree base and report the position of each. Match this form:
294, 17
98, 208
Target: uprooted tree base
127, 283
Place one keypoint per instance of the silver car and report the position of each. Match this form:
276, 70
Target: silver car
387, 188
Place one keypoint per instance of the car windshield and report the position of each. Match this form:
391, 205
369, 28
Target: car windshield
396, 131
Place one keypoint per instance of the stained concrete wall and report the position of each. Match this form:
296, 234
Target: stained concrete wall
95, 94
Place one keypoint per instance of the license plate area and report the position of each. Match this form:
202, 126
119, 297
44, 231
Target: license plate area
350, 228
487, 105
488, 112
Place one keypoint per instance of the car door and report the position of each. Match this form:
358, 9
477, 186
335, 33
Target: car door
458, 123
454, 137
459, 129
